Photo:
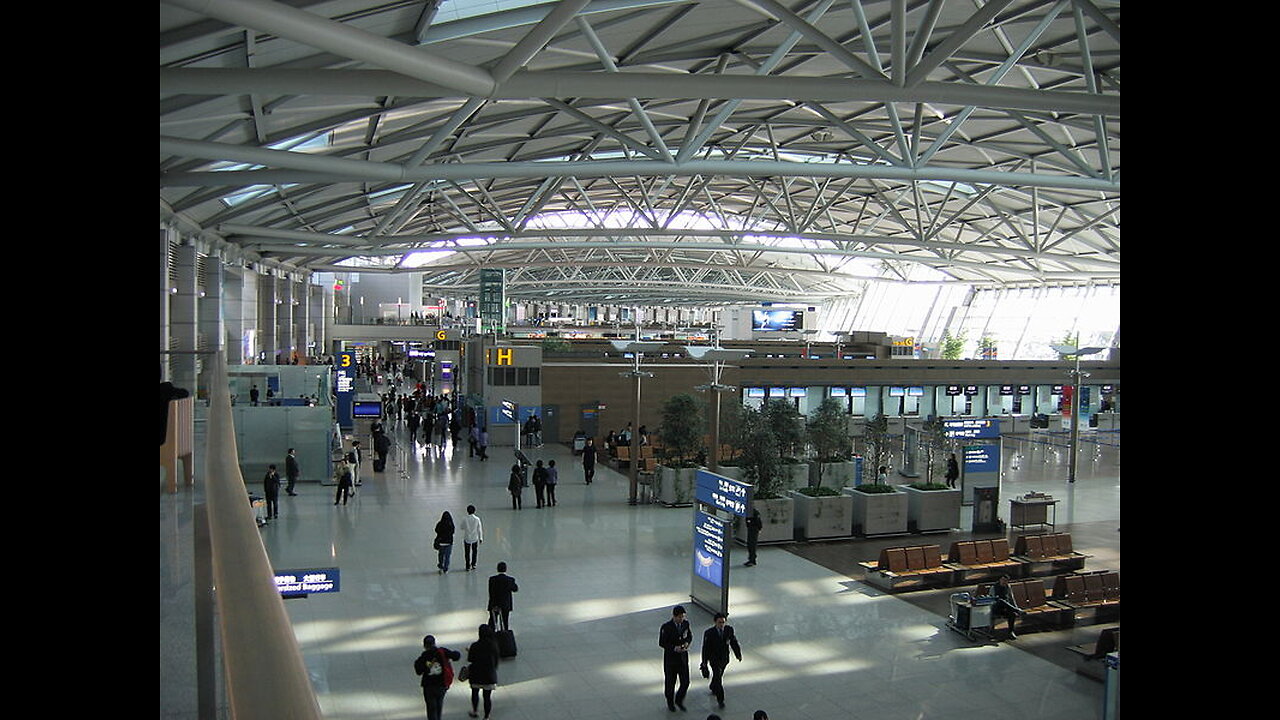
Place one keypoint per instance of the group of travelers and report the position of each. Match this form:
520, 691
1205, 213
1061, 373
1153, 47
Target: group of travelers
545, 480
435, 664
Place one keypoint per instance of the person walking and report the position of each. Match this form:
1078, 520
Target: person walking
675, 637
473, 441
754, 525
501, 586
436, 669
953, 471
717, 641
413, 427
483, 658
355, 457
271, 487
515, 484
472, 536
540, 483
589, 459
344, 482
553, 478
484, 443
444, 541
291, 471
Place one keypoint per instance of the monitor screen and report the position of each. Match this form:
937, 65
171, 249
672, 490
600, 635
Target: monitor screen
755, 392
777, 320
367, 409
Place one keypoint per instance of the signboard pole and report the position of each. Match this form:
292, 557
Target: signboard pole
717, 500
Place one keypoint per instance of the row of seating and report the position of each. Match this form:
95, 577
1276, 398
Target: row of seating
914, 567
1072, 593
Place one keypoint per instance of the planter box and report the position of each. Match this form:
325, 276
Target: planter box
879, 513
834, 474
932, 510
675, 486
829, 516
794, 475
778, 517
730, 471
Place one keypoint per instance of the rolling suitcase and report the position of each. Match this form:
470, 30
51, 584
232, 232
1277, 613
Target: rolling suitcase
506, 643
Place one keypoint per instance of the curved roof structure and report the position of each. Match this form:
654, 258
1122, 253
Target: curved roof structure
650, 151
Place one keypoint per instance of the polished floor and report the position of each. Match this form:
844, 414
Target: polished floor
598, 577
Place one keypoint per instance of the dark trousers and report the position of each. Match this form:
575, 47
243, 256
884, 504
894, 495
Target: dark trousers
433, 695
675, 668
344, 492
590, 471
469, 553
753, 538
488, 700
717, 681
273, 505
551, 494
516, 501
292, 480
539, 490
499, 619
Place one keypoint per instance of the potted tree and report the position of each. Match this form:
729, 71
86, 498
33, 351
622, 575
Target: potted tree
761, 462
931, 505
822, 511
731, 440
878, 508
788, 427
683, 422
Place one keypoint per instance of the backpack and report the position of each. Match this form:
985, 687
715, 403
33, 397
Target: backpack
441, 666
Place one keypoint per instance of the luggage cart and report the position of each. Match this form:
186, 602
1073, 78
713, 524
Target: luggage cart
971, 616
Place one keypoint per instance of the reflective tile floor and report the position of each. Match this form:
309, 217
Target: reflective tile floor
598, 577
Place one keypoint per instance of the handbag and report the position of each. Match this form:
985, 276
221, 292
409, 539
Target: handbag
464, 674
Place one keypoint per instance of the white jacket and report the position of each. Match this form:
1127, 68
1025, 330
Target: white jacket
471, 530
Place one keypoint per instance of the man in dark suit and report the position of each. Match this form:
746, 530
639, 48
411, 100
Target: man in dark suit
717, 641
500, 588
291, 471
271, 486
675, 639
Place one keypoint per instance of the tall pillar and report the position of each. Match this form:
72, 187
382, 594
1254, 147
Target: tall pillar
268, 345
166, 239
212, 331
301, 318
183, 320
286, 339
233, 317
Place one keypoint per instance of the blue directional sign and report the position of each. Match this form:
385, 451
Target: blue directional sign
968, 428
305, 582
722, 493
709, 548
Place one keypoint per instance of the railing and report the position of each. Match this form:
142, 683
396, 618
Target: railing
263, 667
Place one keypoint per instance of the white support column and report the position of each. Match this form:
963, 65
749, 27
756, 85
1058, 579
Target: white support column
301, 317
210, 309
166, 238
286, 337
233, 319
268, 345
183, 321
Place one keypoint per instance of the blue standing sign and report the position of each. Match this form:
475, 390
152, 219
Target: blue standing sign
709, 549
722, 493
344, 388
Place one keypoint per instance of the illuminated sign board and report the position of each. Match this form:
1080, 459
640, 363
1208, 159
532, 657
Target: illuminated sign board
981, 459
718, 491
709, 548
294, 583
972, 428
344, 388
500, 356
446, 370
